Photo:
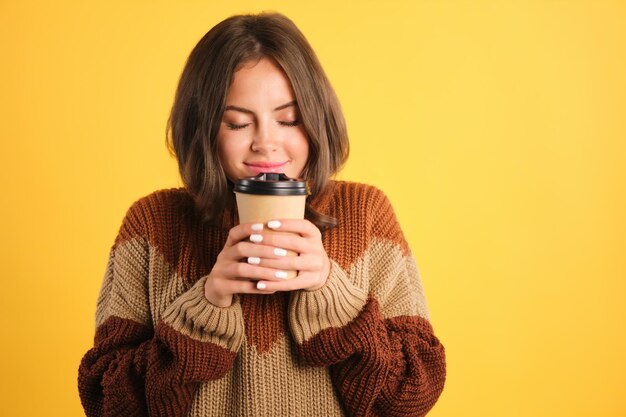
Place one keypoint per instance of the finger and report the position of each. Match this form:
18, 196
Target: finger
245, 286
245, 249
241, 232
291, 263
302, 227
302, 281
237, 270
288, 241
261, 287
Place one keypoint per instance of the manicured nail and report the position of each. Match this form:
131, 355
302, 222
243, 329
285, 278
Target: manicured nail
257, 227
260, 285
273, 224
256, 238
280, 252
281, 274
254, 260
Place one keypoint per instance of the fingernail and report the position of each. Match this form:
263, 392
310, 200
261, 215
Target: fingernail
254, 260
273, 224
281, 274
280, 252
260, 285
256, 238
257, 227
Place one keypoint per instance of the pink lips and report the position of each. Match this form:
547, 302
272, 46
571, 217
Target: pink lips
259, 167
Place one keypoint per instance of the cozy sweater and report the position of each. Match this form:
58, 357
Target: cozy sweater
361, 345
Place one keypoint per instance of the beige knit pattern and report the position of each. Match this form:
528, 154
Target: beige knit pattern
285, 388
124, 293
403, 295
334, 305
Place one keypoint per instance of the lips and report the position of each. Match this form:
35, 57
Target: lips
260, 167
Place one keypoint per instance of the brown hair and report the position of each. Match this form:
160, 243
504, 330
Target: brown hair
201, 97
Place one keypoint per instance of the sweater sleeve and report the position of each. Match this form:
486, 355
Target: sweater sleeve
136, 368
383, 355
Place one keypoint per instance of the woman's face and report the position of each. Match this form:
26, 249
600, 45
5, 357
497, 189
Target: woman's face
261, 130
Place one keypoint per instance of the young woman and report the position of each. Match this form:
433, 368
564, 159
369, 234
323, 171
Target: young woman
194, 319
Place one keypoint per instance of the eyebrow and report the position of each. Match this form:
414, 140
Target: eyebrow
244, 110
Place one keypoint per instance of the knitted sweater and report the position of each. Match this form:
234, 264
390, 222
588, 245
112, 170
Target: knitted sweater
361, 345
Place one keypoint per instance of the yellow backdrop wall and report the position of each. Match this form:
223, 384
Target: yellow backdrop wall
495, 127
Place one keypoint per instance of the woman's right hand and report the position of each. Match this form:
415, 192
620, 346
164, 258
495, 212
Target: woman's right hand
230, 275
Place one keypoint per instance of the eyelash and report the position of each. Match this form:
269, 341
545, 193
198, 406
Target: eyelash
290, 124
233, 126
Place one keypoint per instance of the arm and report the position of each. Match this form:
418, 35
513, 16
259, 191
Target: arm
383, 355
137, 369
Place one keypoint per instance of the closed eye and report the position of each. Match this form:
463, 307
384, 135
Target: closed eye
233, 126
290, 124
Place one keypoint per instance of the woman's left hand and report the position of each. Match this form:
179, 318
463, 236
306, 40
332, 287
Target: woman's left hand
312, 264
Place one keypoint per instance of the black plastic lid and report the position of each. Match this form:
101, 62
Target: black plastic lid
269, 183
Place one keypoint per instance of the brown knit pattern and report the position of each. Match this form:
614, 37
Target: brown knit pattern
265, 317
360, 346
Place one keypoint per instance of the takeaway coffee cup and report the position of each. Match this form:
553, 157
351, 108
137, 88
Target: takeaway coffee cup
271, 196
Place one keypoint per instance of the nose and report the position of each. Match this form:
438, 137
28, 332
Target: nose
265, 139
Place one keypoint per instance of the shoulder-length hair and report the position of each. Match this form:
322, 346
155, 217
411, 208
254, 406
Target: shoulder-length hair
200, 99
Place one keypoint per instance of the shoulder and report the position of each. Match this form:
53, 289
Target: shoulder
370, 208
166, 196
364, 217
162, 203
358, 199
155, 211
352, 187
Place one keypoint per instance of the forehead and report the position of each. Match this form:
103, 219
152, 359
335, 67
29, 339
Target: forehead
259, 82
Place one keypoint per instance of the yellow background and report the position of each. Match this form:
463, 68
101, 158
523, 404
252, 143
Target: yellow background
496, 128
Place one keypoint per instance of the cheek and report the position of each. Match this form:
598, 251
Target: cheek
228, 158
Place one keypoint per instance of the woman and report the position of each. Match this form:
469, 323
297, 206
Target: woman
193, 317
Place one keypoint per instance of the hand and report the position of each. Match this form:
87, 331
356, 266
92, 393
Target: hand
265, 265
312, 264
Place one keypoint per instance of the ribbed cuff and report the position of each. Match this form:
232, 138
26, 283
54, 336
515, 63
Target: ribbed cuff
334, 305
194, 316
